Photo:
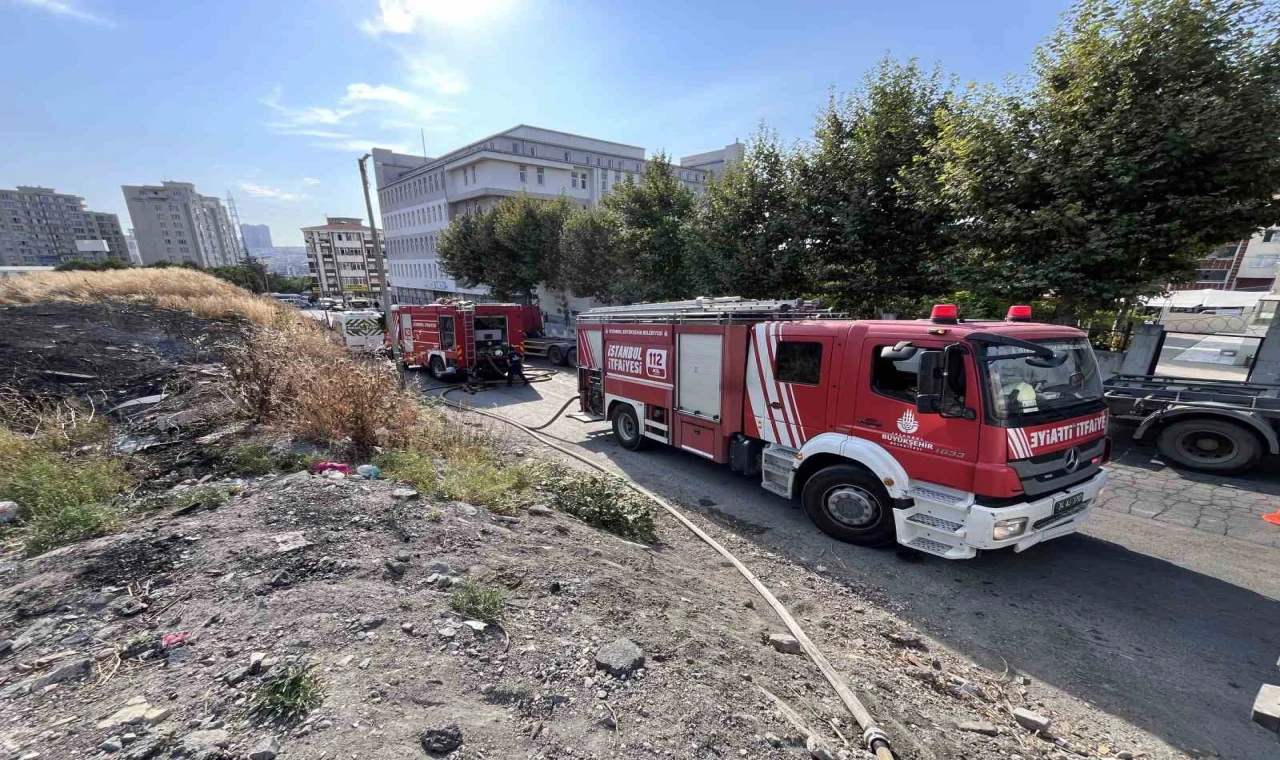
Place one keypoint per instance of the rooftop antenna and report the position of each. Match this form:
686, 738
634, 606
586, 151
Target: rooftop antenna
423, 134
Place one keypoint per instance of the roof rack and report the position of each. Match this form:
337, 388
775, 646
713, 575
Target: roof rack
719, 309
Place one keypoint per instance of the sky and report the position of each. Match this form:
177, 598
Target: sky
274, 101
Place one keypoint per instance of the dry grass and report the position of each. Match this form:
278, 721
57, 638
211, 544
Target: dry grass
171, 288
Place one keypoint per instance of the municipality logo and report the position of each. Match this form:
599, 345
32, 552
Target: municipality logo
907, 423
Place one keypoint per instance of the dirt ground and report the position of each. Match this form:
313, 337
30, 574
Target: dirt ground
149, 643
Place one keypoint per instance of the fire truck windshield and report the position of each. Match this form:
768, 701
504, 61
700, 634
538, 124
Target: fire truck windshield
1022, 387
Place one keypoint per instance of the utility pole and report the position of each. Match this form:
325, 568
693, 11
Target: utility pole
384, 287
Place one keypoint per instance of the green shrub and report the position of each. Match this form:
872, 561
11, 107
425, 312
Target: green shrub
413, 467
60, 500
289, 693
289, 461
251, 459
601, 501
199, 497
478, 601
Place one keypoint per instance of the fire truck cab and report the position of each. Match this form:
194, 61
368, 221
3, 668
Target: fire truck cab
458, 338
947, 436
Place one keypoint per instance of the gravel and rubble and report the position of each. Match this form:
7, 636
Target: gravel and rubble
154, 642
606, 648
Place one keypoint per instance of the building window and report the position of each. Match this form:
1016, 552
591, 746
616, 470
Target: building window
524, 173
515, 147
566, 155
542, 178
617, 176
533, 150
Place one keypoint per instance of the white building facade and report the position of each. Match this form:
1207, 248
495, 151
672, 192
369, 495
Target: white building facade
418, 196
715, 162
41, 227
341, 259
172, 222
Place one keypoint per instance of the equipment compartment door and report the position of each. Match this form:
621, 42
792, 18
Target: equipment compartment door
698, 383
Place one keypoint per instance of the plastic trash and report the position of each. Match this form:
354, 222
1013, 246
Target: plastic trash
8, 511
320, 467
369, 471
174, 639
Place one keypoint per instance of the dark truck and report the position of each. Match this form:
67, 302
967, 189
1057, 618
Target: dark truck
1213, 426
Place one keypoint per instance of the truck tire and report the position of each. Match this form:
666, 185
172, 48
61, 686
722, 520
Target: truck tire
571, 358
849, 504
1214, 446
436, 367
626, 428
555, 355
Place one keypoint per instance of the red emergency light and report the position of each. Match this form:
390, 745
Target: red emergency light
1018, 314
945, 314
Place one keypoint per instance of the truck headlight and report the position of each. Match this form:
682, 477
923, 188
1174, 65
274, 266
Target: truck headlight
1010, 528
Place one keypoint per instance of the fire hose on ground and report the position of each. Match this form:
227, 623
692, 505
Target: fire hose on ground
874, 739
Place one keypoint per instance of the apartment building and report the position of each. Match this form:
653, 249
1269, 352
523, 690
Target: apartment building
173, 222
41, 227
1250, 265
419, 195
341, 259
257, 237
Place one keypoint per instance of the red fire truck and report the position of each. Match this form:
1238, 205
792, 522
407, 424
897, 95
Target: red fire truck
458, 338
945, 435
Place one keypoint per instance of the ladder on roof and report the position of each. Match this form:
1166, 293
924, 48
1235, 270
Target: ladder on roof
719, 308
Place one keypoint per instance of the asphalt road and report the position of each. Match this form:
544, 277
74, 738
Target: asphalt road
1159, 612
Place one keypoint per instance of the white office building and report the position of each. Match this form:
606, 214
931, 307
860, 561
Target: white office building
341, 258
715, 162
172, 222
418, 195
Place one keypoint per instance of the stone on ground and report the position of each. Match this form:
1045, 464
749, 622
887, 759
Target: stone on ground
620, 657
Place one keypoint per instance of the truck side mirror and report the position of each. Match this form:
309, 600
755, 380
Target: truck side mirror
929, 383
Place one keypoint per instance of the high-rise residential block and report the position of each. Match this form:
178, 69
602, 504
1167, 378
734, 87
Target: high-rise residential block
257, 237
40, 226
172, 222
341, 258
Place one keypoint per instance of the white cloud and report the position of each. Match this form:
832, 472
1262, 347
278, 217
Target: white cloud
308, 115
263, 191
407, 16
67, 9
289, 129
431, 76
359, 145
385, 93
310, 181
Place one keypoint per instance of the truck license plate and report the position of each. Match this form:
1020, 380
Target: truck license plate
1070, 505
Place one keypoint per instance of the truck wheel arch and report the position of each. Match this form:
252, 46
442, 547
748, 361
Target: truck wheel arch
838, 448
1265, 433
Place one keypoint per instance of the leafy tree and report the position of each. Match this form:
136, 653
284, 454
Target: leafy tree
590, 266
1148, 137
510, 248
745, 235
652, 239
243, 276
873, 244
465, 246
80, 265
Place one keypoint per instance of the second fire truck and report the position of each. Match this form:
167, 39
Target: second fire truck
947, 436
458, 338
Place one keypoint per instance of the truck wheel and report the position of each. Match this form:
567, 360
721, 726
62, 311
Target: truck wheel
1207, 445
571, 358
555, 355
436, 367
626, 428
847, 503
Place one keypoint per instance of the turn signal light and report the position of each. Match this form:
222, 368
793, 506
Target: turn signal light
945, 313
1018, 314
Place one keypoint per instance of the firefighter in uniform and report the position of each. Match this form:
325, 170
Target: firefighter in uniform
515, 367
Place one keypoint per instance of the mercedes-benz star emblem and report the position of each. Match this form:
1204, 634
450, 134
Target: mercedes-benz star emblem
1073, 459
